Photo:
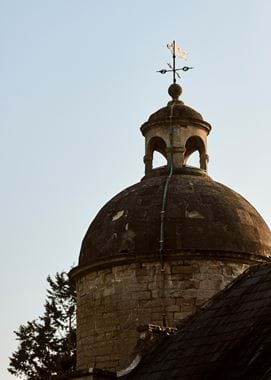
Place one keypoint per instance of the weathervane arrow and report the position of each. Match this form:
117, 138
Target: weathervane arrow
178, 51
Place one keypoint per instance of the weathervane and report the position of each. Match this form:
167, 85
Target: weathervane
178, 51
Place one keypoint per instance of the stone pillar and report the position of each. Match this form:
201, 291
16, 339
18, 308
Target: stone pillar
148, 163
177, 156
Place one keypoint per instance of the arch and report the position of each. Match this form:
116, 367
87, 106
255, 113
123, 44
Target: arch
196, 144
156, 144
158, 160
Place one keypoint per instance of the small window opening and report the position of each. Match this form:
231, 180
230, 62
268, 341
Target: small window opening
194, 150
193, 160
157, 152
158, 160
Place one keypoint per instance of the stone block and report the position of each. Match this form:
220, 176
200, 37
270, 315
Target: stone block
183, 269
111, 303
173, 308
181, 315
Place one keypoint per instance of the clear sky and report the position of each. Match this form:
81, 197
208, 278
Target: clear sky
77, 78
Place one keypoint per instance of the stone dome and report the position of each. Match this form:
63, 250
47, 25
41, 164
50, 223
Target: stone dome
162, 247
180, 111
203, 218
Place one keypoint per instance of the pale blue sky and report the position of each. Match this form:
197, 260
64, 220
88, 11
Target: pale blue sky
77, 78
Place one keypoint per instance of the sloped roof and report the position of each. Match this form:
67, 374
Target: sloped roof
229, 338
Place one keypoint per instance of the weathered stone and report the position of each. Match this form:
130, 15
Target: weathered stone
144, 260
106, 331
220, 232
183, 269
173, 308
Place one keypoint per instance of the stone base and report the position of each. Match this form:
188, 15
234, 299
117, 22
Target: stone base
113, 302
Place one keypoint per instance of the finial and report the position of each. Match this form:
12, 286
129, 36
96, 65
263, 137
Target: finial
175, 91
178, 51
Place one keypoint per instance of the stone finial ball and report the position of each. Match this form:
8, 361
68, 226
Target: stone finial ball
175, 91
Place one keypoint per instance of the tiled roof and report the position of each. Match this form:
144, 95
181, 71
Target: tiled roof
228, 338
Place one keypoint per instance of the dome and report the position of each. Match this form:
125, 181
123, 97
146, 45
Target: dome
175, 109
203, 217
180, 111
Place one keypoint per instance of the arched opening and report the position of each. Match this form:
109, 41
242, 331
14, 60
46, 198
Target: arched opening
158, 160
193, 160
195, 154
156, 153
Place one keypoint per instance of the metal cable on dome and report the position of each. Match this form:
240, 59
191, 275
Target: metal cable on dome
165, 193
162, 217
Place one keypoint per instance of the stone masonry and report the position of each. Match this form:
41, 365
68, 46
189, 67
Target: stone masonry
113, 302
162, 247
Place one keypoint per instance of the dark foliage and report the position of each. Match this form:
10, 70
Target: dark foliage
47, 344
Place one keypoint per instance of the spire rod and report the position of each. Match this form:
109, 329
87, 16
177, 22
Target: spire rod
176, 50
174, 59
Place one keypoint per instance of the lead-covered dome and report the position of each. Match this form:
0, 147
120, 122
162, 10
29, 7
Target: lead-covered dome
203, 217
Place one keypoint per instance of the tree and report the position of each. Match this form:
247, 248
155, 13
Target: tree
47, 344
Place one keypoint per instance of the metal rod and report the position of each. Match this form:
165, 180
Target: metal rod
171, 71
174, 58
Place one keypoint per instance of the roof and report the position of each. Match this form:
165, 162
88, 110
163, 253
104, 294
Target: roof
180, 111
229, 338
203, 217
175, 111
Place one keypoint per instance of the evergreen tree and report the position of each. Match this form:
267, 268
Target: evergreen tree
47, 344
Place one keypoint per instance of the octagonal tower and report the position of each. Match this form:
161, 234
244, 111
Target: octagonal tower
163, 246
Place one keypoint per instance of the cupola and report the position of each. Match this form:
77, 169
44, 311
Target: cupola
175, 131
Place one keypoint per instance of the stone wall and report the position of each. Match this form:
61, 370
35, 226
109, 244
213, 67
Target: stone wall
113, 302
